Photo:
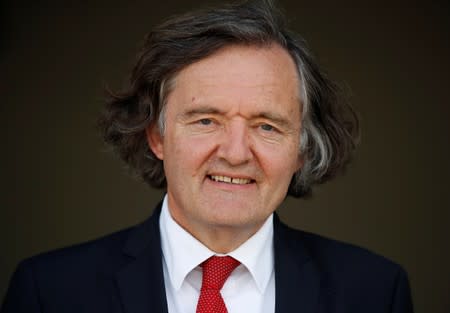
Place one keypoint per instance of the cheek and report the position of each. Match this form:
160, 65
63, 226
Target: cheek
190, 153
280, 163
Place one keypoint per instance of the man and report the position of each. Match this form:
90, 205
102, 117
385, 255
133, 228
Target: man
228, 111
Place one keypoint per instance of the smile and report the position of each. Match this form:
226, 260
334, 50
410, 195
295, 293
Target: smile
230, 180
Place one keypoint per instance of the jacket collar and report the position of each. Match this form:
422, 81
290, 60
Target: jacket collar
141, 281
297, 277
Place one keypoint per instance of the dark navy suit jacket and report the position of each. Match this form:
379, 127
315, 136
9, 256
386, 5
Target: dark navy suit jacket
123, 273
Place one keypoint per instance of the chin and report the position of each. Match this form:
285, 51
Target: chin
237, 220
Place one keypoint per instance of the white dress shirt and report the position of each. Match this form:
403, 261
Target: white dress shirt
250, 287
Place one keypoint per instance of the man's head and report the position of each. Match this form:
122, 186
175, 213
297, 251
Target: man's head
327, 126
231, 138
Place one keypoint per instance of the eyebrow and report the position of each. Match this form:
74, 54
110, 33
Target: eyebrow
201, 110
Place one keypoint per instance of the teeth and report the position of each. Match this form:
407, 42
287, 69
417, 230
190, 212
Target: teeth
230, 180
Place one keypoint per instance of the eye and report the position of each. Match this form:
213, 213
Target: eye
205, 121
267, 127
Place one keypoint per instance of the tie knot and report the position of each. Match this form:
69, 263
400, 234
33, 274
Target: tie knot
216, 270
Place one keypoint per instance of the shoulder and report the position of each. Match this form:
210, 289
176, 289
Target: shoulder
356, 278
106, 253
334, 253
75, 256
345, 265
59, 274
330, 252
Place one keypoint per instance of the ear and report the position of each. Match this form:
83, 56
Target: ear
155, 140
300, 162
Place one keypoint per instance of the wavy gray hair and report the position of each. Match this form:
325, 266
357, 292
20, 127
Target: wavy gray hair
330, 127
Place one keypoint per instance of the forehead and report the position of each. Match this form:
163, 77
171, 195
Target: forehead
256, 73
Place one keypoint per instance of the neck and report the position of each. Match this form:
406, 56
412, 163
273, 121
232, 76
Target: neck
219, 238
223, 240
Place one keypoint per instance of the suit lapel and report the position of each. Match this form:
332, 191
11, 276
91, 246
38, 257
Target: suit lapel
297, 278
141, 281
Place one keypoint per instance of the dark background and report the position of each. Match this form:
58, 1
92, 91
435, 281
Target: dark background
59, 186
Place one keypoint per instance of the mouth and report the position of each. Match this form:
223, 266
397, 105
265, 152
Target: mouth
231, 180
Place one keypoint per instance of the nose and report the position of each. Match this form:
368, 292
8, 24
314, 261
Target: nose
235, 145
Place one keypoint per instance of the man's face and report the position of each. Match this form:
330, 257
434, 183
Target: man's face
231, 142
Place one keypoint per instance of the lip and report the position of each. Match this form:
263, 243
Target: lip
240, 176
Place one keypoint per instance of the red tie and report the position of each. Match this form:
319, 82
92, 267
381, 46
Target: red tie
215, 272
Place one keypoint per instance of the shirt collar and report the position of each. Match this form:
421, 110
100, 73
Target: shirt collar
183, 253
257, 255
